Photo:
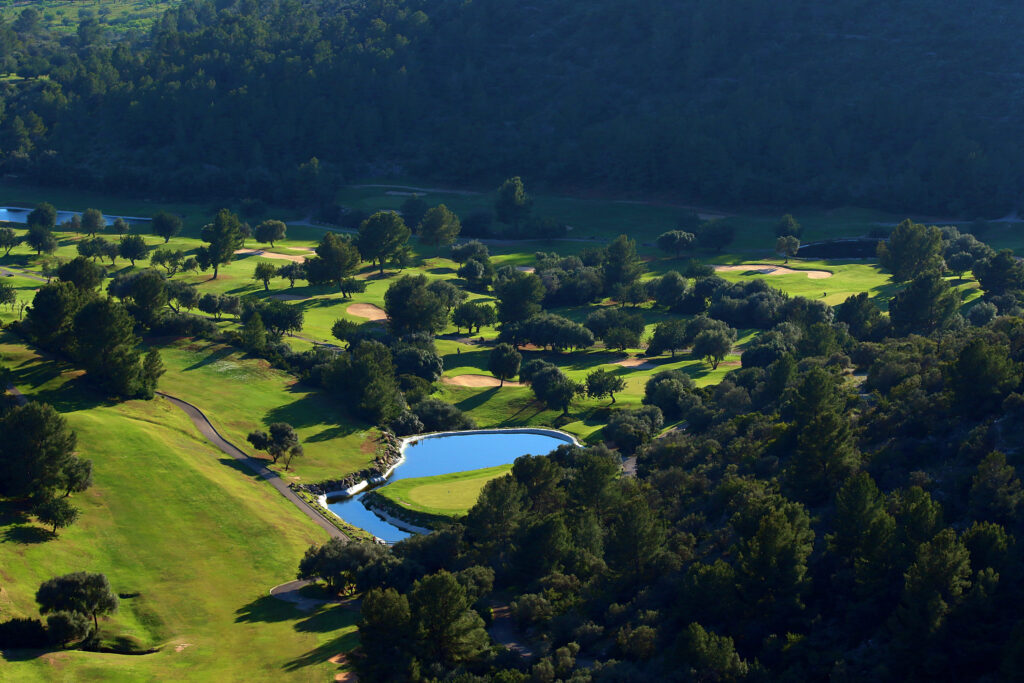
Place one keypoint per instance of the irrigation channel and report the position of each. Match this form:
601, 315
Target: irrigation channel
444, 453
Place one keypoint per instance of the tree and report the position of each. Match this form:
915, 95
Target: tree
254, 334
8, 240
788, 227
121, 226
519, 296
1000, 274
621, 338
64, 627
669, 335
714, 345
152, 369
959, 263
471, 314
413, 209
56, 513
863, 533
471, 250
8, 296
170, 259
716, 235
336, 259
448, 294
620, 264
635, 539
50, 317
166, 225
512, 205
280, 440
41, 239
912, 251
292, 272
264, 271
787, 247
447, 630
366, 376
709, 656
996, 492
271, 231
382, 236
224, 236
439, 226
105, 344
504, 362
80, 592
82, 273
982, 375
76, 475
36, 448
43, 216
602, 383
676, 241
927, 304
412, 307
93, 222
133, 248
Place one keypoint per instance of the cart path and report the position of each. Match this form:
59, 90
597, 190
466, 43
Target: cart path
19, 397
204, 426
9, 271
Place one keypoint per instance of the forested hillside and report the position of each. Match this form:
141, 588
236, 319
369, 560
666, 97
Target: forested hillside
912, 106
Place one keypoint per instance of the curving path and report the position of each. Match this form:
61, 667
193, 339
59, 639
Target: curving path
8, 270
202, 423
19, 397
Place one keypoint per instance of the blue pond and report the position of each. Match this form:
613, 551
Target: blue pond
445, 454
13, 214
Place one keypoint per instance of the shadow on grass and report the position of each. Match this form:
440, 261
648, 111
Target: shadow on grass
266, 609
476, 400
313, 410
326, 619
27, 535
323, 653
18, 655
211, 358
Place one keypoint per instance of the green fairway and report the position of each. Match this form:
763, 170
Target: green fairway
196, 540
447, 494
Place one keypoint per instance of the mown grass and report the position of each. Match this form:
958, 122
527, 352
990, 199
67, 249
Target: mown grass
115, 15
197, 537
447, 494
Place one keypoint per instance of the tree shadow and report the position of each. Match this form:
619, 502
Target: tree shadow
266, 609
211, 358
326, 619
476, 400
20, 655
323, 653
312, 410
27, 535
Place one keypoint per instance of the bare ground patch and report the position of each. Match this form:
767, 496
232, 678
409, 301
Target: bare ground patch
766, 269
367, 311
636, 363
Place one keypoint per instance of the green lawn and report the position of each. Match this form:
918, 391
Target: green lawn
115, 15
447, 494
199, 539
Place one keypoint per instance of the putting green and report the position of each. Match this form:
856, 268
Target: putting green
445, 494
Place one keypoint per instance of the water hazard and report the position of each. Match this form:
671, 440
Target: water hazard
13, 214
445, 454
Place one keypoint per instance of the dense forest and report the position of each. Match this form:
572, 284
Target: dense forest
854, 102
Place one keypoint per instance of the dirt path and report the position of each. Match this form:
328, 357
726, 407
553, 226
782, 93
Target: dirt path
271, 254
7, 270
466, 193
504, 631
202, 423
766, 269
367, 311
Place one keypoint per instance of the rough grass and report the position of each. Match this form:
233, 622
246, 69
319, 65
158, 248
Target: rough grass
447, 494
199, 539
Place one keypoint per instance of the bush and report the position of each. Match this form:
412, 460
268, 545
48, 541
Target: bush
630, 429
438, 416
406, 424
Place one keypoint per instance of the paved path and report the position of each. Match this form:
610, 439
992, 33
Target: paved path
7, 270
19, 397
289, 592
202, 423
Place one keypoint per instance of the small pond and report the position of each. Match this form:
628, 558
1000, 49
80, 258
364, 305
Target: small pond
445, 454
12, 214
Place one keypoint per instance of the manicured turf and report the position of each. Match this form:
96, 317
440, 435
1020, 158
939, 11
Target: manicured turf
447, 494
199, 539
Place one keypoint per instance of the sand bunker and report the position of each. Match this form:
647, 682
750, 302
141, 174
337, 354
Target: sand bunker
636, 363
368, 311
765, 269
476, 381
271, 254
525, 269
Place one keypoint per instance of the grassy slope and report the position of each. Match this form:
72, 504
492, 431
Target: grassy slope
117, 15
169, 517
446, 494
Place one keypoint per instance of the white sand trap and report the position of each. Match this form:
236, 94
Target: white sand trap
636, 363
368, 311
477, 381
271, 254
525, 269
765, 269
